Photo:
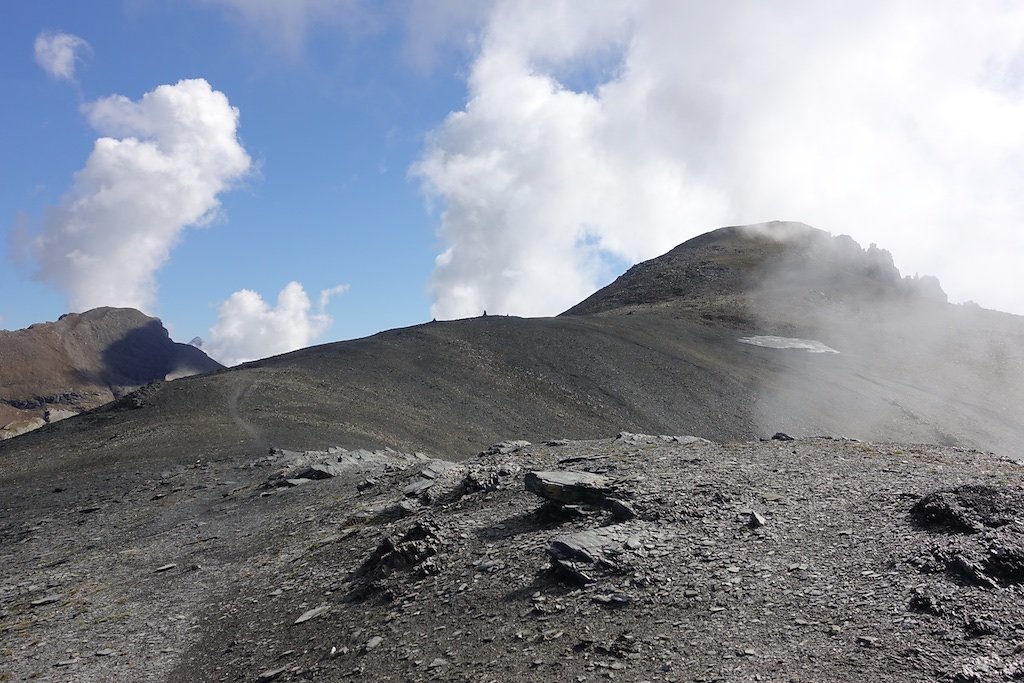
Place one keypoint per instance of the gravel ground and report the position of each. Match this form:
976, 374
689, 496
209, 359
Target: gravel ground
672, 559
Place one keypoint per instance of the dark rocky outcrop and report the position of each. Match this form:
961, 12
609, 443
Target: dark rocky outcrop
984, 527
971, 509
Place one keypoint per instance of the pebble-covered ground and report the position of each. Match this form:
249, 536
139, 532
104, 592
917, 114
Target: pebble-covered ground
635, 558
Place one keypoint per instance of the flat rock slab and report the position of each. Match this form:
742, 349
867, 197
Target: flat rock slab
568, 487
572, 488
591, 545
312, 614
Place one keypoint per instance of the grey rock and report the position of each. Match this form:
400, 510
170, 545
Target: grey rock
588, 546
312, 614
271, 674
568, 487
47, 600
506, 447
316, 471
436, 468
417, 487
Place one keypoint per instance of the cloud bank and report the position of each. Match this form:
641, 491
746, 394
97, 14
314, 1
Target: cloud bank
58, 53
248, 328
602, 132
159, 169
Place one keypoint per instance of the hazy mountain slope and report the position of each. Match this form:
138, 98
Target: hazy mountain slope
86, 359
911, 368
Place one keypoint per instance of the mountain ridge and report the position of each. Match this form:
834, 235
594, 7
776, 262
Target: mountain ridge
345, 511
672, 366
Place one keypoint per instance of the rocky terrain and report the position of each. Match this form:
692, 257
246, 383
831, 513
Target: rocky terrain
339, 512
52, 371
629, 558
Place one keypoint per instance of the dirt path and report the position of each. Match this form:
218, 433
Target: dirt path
242, 389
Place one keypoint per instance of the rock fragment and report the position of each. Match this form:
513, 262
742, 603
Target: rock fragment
271, 674
568, 487
755, 520
46, 600
571, 488
312, 614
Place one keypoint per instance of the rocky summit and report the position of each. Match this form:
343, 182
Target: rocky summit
839, 495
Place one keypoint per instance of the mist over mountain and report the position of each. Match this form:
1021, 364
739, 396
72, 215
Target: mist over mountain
657, 351
324, 511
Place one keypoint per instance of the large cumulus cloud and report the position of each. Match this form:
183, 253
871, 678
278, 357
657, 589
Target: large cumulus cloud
158, 168
602, 132
249, 328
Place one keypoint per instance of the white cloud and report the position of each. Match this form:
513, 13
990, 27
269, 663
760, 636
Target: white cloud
284, 25
167, 158
597, 131
248, 328
429, 29
434, 27
58, 53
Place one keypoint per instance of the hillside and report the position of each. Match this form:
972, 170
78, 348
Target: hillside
910, 367
339, 510
85, 360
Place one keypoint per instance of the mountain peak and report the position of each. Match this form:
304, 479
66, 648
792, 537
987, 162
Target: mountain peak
85, 359
726, 268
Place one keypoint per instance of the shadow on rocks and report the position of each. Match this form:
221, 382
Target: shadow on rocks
984, 526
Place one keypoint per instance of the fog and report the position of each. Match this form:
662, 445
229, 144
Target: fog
910, 365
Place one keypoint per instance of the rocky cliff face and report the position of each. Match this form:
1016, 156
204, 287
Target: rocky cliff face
53, 370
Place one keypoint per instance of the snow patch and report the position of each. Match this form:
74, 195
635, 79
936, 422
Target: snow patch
809, 345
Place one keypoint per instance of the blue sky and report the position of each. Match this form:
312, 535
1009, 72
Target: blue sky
437, 158
331, 125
